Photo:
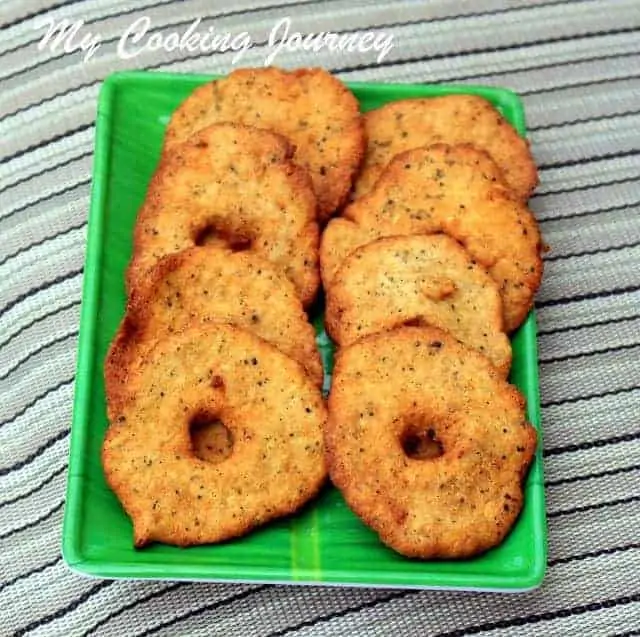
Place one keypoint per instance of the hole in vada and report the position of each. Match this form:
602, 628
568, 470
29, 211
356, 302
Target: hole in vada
210, 235
211, 441
421, 444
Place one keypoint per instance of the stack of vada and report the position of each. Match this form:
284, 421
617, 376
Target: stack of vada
414, 220
213, 380
426, 273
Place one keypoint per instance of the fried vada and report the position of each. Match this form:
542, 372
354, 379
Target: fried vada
214, 285
427, 443
456, 190
418, 280
234, 186
451, 119
274, 416
310, 107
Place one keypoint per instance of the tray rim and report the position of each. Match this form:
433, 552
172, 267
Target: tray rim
71, 546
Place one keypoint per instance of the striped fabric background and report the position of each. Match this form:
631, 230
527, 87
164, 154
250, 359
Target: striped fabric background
577, 65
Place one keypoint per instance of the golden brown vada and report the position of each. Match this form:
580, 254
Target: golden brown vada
235, 186
310, 107
274, 416
451, 119
456, 190
214, 285
427, 443
418, 280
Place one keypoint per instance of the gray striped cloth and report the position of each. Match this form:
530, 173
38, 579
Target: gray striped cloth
577, 66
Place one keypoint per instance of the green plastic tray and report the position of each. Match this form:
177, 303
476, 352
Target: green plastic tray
325, 543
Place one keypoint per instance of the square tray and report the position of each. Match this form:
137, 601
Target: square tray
325, 543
